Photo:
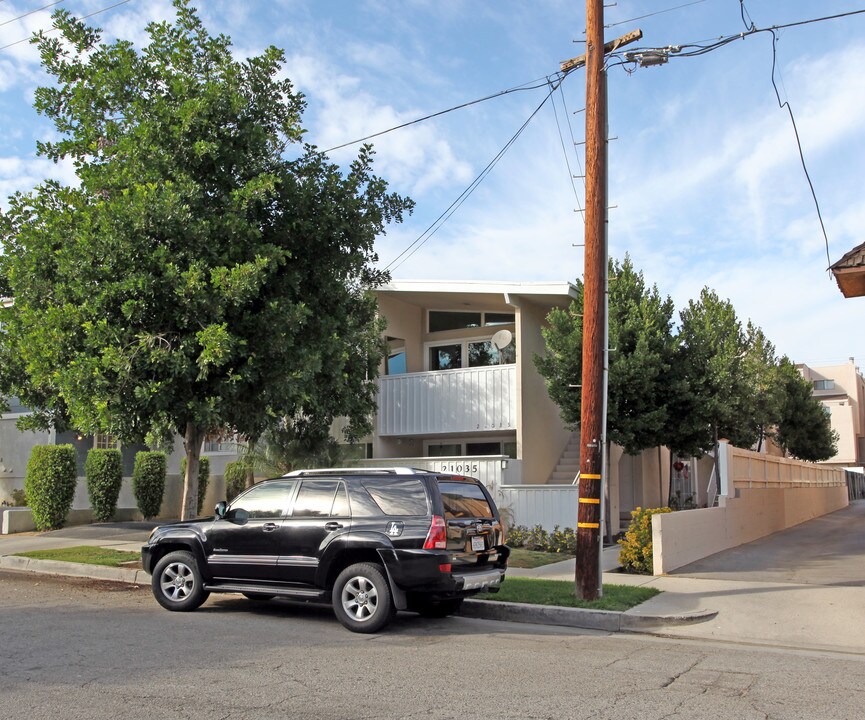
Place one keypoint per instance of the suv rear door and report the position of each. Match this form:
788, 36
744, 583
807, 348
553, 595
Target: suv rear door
474, 531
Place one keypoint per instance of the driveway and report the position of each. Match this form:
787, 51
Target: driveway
828, 550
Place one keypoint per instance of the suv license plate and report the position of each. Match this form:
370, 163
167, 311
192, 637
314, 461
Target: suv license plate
477, 543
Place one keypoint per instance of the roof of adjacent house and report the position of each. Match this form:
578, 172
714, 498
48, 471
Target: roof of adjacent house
472, 294
849, 272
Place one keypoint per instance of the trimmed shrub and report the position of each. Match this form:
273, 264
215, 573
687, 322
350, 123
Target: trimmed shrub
50, 484
636, 553
536, 538
19, 498
235, 479
203, 478
104, 471
148, 482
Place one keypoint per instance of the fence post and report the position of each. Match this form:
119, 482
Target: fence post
723, 466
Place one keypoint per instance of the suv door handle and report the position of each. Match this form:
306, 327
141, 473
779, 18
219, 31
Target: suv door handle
332, 526
269, 527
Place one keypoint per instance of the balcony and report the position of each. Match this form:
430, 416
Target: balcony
449, 401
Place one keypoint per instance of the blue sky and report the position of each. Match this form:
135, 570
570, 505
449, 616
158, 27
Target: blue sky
705, 176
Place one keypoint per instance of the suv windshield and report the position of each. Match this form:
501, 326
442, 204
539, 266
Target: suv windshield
464, 500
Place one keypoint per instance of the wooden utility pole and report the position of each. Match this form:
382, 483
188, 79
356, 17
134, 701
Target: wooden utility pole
592, 404
594, 316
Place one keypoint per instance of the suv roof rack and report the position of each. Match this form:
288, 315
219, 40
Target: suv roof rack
359, 471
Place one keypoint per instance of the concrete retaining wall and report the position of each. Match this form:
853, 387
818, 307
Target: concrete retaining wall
683, 537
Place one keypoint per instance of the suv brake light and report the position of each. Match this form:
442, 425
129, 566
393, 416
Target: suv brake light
436, 538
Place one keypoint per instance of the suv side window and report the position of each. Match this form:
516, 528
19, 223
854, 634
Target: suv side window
403, 496
266, 501
321, 498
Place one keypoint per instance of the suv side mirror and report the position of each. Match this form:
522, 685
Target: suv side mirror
220, 509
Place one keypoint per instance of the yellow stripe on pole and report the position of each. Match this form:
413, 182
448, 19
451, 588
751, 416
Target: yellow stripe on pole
594, 526
588, 476
591, 501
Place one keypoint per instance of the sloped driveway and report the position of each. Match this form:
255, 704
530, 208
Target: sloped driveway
829, 550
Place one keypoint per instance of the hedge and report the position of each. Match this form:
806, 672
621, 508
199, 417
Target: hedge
148, 482
50, 484
104, 472
235, 479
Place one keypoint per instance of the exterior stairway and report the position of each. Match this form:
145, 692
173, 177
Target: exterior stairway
569, 463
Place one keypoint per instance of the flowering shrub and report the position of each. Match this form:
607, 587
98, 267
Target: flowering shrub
536, 538
636, 553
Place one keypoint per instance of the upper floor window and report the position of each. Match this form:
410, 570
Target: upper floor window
441, 320
824, 384
220, 442
470, 353
104, 441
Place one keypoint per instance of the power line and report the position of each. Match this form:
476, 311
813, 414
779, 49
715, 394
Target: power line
518, 88
659, 12
83, 17
421, 240
32, 12
564, 149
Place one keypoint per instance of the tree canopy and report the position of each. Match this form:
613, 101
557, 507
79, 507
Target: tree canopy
210, 270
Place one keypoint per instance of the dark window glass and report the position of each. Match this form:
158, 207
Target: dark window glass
398, 497
510, 449
315, 499
340, 503
446, 357
484, 353
484, 448
464, 500
446, 320
266, 501
499, 318
445, 450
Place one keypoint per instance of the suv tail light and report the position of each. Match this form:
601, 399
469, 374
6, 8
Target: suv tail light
436, 538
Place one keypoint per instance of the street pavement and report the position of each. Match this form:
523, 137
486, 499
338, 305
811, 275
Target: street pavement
803, 588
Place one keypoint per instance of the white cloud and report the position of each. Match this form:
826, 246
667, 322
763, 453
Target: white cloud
23, 174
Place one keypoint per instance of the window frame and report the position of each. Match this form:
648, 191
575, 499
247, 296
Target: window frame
464, 359
482, 313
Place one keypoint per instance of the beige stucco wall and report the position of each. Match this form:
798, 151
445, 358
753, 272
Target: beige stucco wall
846, 405
541, 434
683, 537
404, 321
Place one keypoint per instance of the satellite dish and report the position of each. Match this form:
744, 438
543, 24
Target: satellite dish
502, 339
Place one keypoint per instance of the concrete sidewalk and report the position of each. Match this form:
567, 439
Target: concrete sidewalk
785, 614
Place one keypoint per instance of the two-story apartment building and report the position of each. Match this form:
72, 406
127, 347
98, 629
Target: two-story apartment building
841, 390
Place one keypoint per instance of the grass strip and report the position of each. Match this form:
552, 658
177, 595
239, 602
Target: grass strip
522, 558
562, 594
86, 554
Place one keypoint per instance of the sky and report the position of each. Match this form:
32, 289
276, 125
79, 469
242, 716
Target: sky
706, 185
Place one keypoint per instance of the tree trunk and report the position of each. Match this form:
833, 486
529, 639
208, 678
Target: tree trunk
192, 442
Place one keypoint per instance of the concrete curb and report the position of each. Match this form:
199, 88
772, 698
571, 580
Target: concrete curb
57, 567
607, 620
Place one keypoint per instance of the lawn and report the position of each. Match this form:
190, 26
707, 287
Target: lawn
522, 558
85, 554
561, 593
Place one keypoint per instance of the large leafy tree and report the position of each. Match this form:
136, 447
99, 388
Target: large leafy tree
804, 428
641, 342
210, 270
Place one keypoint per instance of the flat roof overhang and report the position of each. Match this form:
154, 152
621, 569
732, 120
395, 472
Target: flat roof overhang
453, 295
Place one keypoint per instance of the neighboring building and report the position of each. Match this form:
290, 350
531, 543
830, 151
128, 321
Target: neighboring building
849, 272
841, 390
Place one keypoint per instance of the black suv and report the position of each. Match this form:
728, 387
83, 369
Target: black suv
369, 541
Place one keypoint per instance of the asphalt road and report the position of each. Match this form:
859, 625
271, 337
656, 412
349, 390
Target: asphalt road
86, 649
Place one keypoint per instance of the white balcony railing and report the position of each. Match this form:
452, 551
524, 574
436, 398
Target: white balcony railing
448, 401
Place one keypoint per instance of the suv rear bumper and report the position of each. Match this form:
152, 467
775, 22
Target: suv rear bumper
434, 572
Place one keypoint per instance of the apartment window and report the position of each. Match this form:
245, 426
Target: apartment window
470, 353
220, 442
824, 384
441, 320
446, 357
104, 441
471, 448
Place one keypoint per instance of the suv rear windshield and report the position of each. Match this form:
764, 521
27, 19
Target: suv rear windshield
398, 497
464, 500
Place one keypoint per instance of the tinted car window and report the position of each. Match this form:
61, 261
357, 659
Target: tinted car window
266, 501
402, 496
462, 500
316, 499
340, 503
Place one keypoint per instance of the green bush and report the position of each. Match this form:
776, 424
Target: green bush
536, 538
636, 553
104, 471
148, 482
235, 479
19, 497
203, 479
50, 484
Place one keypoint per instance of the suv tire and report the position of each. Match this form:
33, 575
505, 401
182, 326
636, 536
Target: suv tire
362, 599
177, 582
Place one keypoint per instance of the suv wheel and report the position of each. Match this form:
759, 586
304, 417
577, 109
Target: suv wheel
177, 582
361, 598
